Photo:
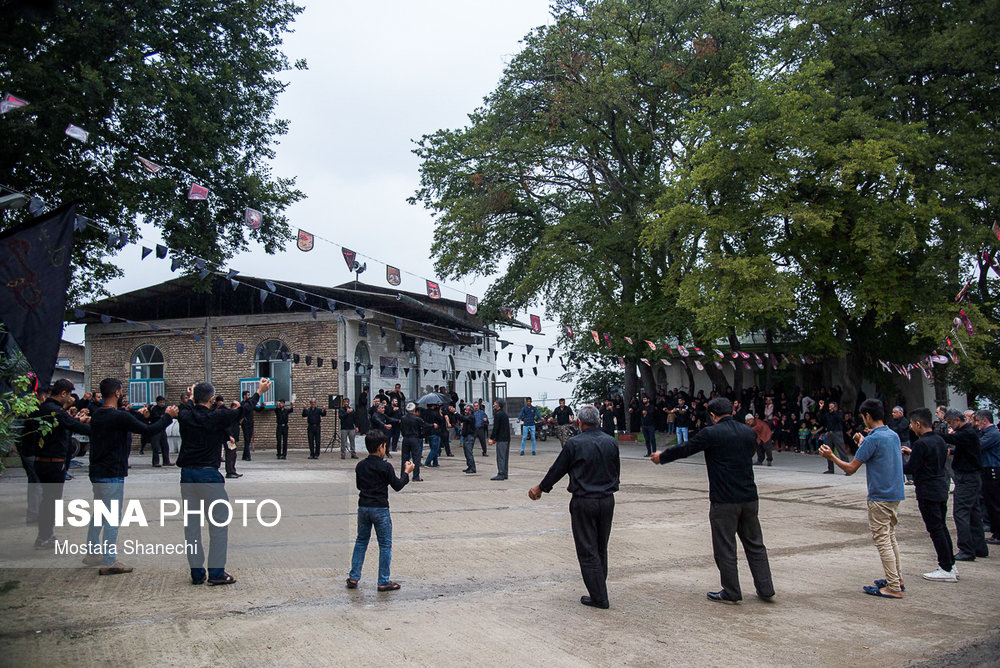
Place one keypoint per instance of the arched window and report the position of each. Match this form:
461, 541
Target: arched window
147, 362
274, 361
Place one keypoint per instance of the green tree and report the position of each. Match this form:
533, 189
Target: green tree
558, 173
17, 401
193, 85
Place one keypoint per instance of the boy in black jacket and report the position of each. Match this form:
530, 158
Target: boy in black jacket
374, 475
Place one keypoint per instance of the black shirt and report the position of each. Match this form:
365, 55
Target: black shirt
109, 441
648, 415
729, 447
562, 414
314, 416
412, 426
58, 443
501, 427
682, 418
608, 420
591, 460
204, 432
374, 475
926, 465
468, 425
281, 416
247, 407
902, 429
968, 458
347, 420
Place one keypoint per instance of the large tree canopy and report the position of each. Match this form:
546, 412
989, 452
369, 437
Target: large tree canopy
192, 85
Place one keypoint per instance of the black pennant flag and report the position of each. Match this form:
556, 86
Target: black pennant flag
34, 278
161, 251
360, 311
399, 323
263, 296
295, 358
288, 302
175, 264
534, 370
528, 347
331, 305
312, 309
510, 357
270, 286
234, 283
309, 360
319, 361
301, 296
145, 252
406, 371
240, 348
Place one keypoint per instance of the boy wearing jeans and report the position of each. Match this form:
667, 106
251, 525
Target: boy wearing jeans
374, 475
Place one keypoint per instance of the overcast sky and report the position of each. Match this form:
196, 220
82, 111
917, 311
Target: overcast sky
380, 76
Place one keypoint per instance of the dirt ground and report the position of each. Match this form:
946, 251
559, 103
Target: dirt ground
490, 578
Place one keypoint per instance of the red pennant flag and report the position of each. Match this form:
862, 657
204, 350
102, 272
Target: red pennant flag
349, 257
392, 276
645, 361
665, 361
149, 165
652, 346
197, 192
569, 331
607, 339
471, 304
305, 241
507, 312
597, 337
698, 364
536, 324
628, 339
433, 290
9, 102
253, 219
683, 351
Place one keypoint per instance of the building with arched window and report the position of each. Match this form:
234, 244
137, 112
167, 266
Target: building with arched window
314, 342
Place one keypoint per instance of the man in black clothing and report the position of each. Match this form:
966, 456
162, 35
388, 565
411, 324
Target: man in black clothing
966, 466
729, 447
413, 429
608, 419
203, 435
382, 422
281, 427
500, 439
229, 448
314, 416
926, 460
158, 441
50, 452
564, 419
393, 414
348, 429
833, 424
592, 462
248, 409
110, 430
648, 424
468, 421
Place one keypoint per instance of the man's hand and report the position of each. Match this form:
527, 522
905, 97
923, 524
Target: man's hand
87, 396
409, 466
905, 449
263, 386
172, 411
144, 412
72, 411
826, 452
491, 441
858, 437
535, 493
190, 391
655, 458
231, 444
83, 418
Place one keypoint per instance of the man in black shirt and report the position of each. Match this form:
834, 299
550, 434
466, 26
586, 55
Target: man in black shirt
203, 435
413, 429
564, 419
729, 447
833, 423
110, 442
926, 460
382, 422
248, 409
50, 452
608, 419
348, 429
648, 425
966, 466
233, 432
158, 441
281, 427
500, 439
468, 422
314, 417
592, 462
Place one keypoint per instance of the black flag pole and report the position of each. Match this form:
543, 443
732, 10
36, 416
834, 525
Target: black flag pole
34, 279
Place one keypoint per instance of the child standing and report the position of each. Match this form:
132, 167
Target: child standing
374, 476
804, 438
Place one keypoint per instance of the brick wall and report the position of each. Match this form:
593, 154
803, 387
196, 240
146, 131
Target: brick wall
111, 348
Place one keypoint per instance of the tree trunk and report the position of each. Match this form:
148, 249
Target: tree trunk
769, 348
691, 388
648, 381
734, 343
631, 379
715, 375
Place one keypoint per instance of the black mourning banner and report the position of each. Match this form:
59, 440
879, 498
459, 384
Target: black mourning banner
34, 277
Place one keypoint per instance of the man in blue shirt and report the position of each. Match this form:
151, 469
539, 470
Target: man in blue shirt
482, 422
989, 447
528, 416
880, 451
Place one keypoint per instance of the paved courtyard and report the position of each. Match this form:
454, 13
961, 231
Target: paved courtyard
490, 578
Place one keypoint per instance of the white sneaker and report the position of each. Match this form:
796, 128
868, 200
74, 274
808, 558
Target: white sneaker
941, 575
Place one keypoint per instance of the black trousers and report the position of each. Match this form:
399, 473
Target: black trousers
965, 511
230, 459
52, 478
161, 448
313, 432
281, 435
649, 435
394, 438
591, 521
934, 514
482, 438
446, 443
991, 496
247, 437
413, 448
764, 450
728, 521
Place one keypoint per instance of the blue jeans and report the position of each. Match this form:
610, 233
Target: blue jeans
528, 429
106, 490
682, 435
200, 487
432, 456
379, 518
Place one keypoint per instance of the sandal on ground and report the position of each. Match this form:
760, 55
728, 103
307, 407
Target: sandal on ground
116, 568
352, 584
390, 586
885, 583
226, 579
198, 581
875, 591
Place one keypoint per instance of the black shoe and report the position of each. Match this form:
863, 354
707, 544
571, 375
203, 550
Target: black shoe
720, 596
199, 581
993, 541
768, 462
982, 555
417, 478
766, 597
233, 475
586, 600
965, 556
499, 477
157, 466
828, 472
471, 471
467, 471
45, 544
